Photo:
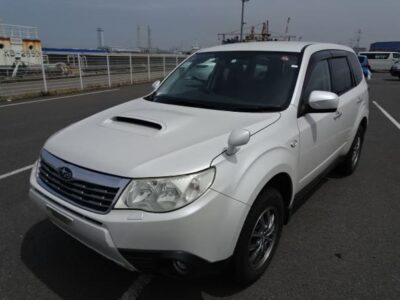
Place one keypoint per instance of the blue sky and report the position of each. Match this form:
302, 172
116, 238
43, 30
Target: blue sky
183, 23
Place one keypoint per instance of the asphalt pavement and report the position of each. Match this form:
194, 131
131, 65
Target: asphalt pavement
343, 243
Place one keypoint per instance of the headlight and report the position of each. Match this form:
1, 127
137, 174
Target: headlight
37, 166
165, 194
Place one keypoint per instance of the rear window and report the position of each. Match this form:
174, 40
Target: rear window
341, 75
396, 55
376, 55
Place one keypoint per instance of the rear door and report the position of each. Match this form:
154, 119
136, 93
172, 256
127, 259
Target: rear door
344, 85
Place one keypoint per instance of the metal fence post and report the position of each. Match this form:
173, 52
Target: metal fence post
108, 71
148, 68
130, 68
80, 70
164, 71
44, 75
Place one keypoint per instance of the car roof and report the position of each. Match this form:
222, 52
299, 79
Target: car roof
273, 46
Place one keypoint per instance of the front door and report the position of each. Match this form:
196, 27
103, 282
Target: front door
319, 141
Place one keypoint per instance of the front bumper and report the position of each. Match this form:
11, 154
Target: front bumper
206, 230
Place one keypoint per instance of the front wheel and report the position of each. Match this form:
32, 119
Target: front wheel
259, 237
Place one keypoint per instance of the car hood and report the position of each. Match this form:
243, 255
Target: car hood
141, 138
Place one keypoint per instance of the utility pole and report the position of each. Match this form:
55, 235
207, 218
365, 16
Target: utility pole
287, 30
242, 20
358, 38
138, 37
148, 38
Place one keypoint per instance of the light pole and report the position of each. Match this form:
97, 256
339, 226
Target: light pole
242, 21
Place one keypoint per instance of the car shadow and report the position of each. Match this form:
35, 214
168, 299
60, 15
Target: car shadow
161, 287
70, 269
73, 271
392, 79
333, 174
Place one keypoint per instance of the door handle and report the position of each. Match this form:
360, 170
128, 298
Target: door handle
337, 115
360, 100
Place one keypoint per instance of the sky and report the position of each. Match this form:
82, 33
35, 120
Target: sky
186, 23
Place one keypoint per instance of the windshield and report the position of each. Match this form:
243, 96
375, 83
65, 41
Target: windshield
234, 81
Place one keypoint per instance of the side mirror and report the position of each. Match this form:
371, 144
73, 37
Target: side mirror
156, 84
238, 137
322, 101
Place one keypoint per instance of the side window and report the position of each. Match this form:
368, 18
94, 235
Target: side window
396, 55
356, 67
319, 79
381, 55
341, 76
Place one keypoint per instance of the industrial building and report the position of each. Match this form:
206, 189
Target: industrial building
393, 46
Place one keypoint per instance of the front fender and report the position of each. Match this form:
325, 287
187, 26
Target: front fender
244, 175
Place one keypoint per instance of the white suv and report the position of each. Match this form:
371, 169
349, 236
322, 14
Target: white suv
205, 170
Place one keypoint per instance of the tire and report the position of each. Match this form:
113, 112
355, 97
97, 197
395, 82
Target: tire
248, 265
351, 160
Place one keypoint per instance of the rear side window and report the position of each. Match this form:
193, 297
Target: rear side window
396, 55
376, 55
341, 75
356, 67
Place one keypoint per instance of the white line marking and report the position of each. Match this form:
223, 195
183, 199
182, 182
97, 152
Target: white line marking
16, 171
134, 291
57, 98
393, 120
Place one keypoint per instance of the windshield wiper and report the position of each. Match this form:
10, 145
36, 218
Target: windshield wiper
191, 103
212, 105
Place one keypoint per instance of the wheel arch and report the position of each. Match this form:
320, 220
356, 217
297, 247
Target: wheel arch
364, 123
284, 184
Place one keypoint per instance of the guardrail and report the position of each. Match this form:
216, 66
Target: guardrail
67, 73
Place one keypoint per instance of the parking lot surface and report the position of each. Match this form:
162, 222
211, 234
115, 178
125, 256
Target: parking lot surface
343, 243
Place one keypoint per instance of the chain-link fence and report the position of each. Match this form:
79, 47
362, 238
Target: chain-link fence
65, 73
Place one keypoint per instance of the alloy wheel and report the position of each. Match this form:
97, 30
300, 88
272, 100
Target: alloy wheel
263, 238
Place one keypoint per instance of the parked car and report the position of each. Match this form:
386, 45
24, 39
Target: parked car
395, 70
204, 171
365, 66
381, 61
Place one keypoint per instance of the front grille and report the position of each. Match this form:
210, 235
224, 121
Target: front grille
86, 194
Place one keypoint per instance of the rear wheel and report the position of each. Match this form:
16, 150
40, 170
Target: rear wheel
350, 163
259, 237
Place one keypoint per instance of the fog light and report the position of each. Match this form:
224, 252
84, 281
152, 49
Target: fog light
180, 267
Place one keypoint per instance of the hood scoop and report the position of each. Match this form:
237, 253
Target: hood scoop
136, 121
134, 125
